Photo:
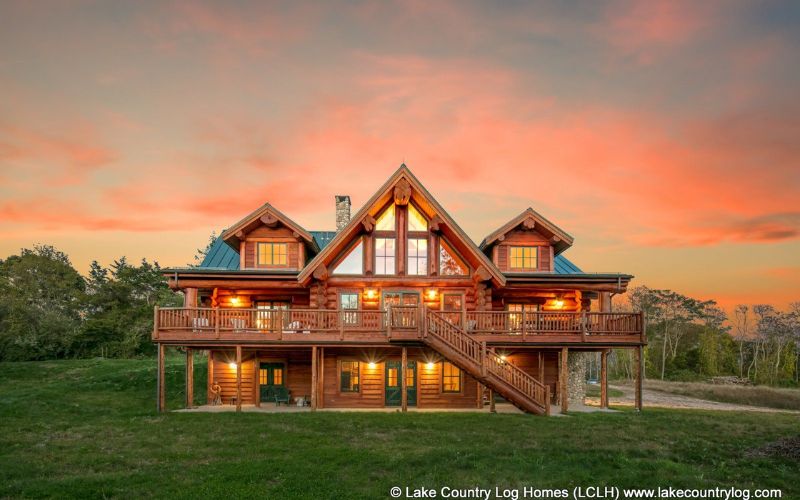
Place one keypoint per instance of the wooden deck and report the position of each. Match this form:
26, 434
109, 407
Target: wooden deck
240, 326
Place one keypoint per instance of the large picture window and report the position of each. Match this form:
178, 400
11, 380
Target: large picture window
417, 256
271, 254
384, 255
349, 376
451, 377
524, 257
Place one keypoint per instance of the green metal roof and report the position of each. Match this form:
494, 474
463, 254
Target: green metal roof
222, 257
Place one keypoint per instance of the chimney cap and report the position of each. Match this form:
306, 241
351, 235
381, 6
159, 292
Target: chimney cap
342, 197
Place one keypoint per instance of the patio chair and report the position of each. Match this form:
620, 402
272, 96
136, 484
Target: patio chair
238, 324
282, 395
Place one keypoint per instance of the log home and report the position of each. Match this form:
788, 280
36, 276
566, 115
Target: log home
397, 308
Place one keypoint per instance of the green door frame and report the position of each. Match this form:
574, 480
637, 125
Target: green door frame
393, 393
267, 391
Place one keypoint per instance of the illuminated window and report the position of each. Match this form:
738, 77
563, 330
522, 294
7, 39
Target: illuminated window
353, 263
384, 256
449, 263
271, 254
348, 376
410, 376
417, 256
451, 377
524, 257
262, 376
385, 221
391, 377
277, 376
416, 221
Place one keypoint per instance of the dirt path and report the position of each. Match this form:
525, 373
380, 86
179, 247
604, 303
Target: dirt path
667, 400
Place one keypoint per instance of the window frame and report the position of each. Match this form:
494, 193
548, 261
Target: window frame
417, 258
534, 257
459, 377
346, 254
384, 258
445, 246
272, 245
352, 319
339, 372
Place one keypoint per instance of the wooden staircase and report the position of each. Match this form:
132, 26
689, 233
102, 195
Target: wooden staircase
514, 384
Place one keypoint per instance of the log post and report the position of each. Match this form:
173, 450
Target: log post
155, 322
639, 376
479, 398
161, 393
210, 381
314, 378
483, 359
604, 378
541, 367
321, 369
189, 378
492, 409
256, 380
238, 378
563, 380
403, 382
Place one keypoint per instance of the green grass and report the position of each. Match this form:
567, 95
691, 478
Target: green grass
759, 395
89, 429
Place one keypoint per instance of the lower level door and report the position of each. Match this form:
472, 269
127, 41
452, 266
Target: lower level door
271, 376
394, 389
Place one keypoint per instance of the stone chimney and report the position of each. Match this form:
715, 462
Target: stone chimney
342, 211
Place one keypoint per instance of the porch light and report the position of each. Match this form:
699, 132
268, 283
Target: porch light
232, 365
370, 294
503, 357
372, 365
235, 301
431, 293
429, 365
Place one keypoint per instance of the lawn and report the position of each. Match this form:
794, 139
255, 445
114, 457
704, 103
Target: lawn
759, 395
88, 429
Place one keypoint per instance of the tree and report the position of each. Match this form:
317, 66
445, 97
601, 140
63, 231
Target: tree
201, 253
40, 313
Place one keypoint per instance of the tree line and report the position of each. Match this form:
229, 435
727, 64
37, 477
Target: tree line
690, 339
48, 310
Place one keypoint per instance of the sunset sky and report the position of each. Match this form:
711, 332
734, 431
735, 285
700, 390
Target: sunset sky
665, 137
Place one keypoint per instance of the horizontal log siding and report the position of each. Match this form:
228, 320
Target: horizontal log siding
226, 376
529, 362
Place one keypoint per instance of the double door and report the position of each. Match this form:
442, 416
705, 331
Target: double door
394, 387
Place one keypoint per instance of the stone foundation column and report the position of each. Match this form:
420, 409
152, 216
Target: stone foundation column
577, 366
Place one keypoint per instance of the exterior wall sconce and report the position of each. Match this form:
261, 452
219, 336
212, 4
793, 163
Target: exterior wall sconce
235, 301
370, 294
371, 365
431, 294
429, 365
232, 365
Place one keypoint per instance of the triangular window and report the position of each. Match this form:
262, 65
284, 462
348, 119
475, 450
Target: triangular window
385, 221
353, 263
449, 262
416, 221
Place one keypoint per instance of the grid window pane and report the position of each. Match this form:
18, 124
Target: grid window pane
271, 254
524, 257
451, 377
384, 256
417, 256
348, 376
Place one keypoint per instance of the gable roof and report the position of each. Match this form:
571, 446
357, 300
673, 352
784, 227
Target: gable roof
384, 193
231, 236
561, 239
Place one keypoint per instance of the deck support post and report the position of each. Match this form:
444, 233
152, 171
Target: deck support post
189, 377
238, 378
256, 380
492, 409
563, 380
639, 374
604, 378
314, 378
161, 392
321, 387
403, 381
541, 367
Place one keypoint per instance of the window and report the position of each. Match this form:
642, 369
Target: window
524, 257
416, 221
349, 301
451, 377
271, 254
449, 263
515, 316
353, 263
348, 376
269, 315
417, 256
384, 256
391, 377
385, 221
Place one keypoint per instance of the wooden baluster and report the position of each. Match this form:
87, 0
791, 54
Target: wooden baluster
389, 322
341, 324
216, 322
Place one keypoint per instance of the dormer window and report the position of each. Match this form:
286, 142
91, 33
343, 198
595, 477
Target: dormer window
526, 258
271, 254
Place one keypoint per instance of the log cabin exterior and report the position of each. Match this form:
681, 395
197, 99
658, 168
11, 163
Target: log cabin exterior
398, 307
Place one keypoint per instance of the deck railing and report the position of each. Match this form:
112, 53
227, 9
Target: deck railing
396, 319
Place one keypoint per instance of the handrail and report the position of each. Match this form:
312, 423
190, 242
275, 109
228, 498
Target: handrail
487, 360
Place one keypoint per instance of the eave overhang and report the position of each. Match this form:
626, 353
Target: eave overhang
605, 282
